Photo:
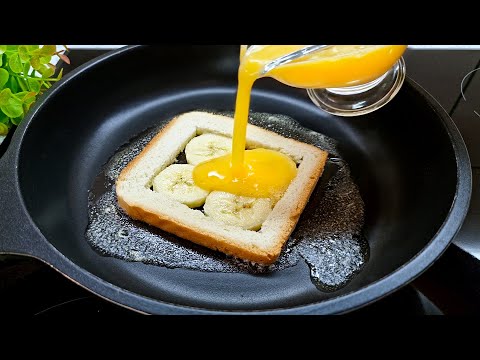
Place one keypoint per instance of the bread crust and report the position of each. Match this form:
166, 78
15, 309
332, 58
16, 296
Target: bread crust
262, 247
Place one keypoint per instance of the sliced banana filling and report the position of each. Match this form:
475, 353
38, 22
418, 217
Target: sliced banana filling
177, 182
245, 212
206, 147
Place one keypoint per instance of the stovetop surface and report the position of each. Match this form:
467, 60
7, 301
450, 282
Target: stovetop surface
450, 286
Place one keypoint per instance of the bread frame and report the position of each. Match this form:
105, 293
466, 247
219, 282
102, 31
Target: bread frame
135, 197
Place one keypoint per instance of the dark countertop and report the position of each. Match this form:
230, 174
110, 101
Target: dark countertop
441, 73
450, 286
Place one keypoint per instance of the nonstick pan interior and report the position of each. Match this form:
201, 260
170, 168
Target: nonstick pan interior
402, 157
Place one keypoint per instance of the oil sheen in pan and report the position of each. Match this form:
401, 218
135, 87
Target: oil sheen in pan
328, 235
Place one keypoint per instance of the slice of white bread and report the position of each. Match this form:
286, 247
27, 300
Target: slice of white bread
133, 189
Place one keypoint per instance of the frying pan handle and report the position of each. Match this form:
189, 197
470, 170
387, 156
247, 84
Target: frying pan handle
18, 234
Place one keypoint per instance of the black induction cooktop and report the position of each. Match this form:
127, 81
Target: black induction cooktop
450, 286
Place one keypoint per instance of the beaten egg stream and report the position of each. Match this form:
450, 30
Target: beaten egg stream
267, 173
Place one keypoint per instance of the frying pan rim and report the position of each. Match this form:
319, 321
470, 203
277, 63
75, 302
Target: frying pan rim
343, 303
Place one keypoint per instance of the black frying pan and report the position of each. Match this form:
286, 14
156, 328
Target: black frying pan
408, 159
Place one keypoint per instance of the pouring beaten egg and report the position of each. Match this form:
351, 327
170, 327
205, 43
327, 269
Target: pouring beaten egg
267, 173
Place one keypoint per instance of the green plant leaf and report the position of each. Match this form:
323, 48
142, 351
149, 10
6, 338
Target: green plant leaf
5, 94
35, 62
3, 48
23, 53
47, 71
12, 47
31, 48
3, 77
13, 108
4, 119
26, 68
24, 95
23, 84
15, 63
45, 50
34, 85
3, 129
49, 50
45, 59
16, 121
21, 94
27, 105
12, 84
29, 98
1, 60
60, 74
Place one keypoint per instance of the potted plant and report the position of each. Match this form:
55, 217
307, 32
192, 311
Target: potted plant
26, 72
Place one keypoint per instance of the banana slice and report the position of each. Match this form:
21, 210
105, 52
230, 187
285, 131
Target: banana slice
207, 146
246, 212
177, 181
